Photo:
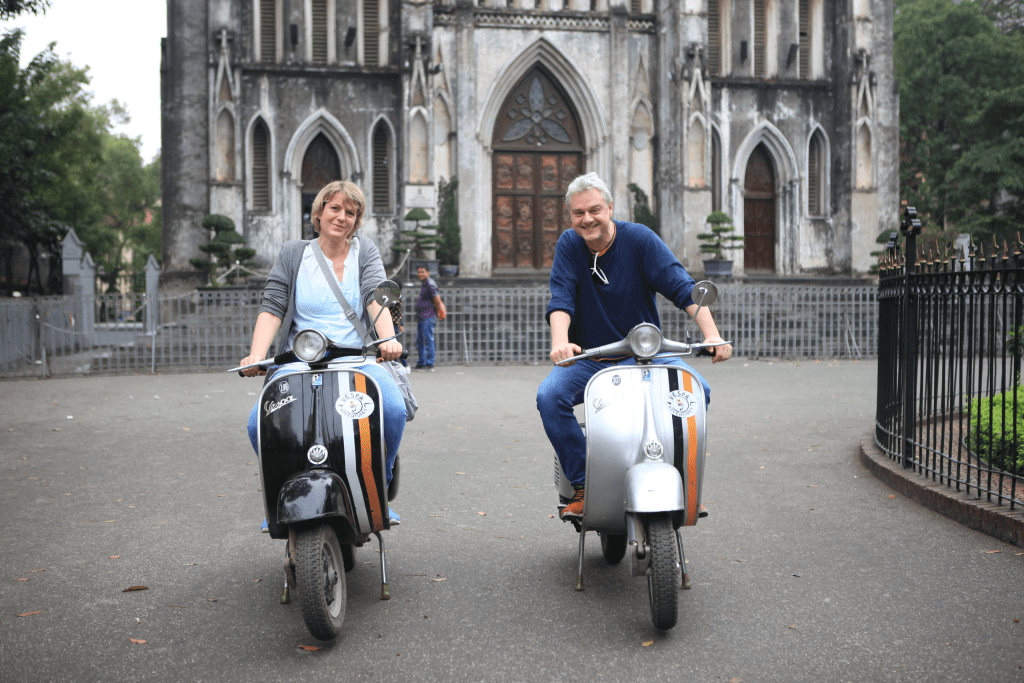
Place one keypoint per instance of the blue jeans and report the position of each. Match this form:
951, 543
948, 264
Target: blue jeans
425, 341
559, 392
394, 408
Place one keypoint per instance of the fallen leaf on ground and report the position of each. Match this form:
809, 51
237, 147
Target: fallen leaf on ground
792, 625
221, 495
137, 641
892, 495
1016, 621
741, 560
113, 557
443, 578
647, 643
435, 515
256, 580
135, 588
109, 521
29, 614
309, 648
187, 429
989, 552
551, 516
23, 579
178, 606
482, 514
460, 473
211, 599
190, 564
761, 467
812, 486
735, 680
33, 571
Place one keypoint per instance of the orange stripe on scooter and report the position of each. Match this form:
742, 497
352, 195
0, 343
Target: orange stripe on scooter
691, 459
366, 461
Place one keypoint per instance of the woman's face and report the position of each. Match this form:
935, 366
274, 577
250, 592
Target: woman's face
338, 218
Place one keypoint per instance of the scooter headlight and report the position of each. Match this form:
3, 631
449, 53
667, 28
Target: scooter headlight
645, 340
309, 346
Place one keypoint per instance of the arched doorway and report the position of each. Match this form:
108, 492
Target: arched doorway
759, 212
320, 166
538, 151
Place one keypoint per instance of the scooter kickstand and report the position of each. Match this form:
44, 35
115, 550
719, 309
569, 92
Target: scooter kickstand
385, 592
579, 571
682, 559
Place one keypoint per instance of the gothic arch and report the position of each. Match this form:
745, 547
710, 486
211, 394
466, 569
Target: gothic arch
322, 121
697, 148
823, 171
571, 80
271, 162
419, 146
787, 175
374, 202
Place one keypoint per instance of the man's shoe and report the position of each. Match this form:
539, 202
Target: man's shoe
429, 368
420, 366
574, 510
264, 528
393, 516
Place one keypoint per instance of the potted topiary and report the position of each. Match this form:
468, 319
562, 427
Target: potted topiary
449, 233
225, 250
716, 242
418, 242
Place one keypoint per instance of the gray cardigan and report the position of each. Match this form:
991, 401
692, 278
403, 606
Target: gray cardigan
279, 292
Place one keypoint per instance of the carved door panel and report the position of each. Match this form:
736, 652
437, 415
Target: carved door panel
759, 215
537, 154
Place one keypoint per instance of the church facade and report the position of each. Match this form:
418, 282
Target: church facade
781, 113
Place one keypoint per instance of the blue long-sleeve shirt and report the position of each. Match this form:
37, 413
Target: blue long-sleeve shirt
637, 265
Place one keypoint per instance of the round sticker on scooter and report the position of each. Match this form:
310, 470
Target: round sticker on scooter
682, 403
354, 404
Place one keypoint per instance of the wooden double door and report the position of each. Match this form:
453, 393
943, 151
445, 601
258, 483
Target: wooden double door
538, 151
529, 206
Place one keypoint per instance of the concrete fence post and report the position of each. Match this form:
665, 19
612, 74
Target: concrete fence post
152, 290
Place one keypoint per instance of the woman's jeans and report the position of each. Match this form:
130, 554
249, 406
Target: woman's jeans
394, 408
563, 389
425, 341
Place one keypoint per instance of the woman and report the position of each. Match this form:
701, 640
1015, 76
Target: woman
297, 297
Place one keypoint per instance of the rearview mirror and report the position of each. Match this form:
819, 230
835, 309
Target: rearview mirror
387, 294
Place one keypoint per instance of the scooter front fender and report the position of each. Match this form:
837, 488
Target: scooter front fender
653, 487
313, 495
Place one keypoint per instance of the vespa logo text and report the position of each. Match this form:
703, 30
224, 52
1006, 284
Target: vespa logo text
272, 406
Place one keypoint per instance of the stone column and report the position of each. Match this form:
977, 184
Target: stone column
152, 290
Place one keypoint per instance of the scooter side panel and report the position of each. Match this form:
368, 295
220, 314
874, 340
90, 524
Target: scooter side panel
618, 431
339, 409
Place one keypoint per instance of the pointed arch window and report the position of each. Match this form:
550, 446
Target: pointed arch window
697, 171
865, 164
224, 161
716, 171
261, 167
382, 163
817, 167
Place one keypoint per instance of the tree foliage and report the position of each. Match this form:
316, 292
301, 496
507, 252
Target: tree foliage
61, 167
961, 86
12, 8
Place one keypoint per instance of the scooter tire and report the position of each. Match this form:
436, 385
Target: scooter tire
663, 574
613, 547
348, 554
320, 581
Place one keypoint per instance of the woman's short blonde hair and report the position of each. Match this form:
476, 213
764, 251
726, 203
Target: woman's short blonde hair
351, 192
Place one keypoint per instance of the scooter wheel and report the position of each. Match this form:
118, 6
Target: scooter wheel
613, 547
663, 576
320, 581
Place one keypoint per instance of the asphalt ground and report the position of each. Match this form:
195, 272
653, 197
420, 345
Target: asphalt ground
808, 568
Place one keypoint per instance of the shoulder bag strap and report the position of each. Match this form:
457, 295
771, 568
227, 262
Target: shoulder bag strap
333, 282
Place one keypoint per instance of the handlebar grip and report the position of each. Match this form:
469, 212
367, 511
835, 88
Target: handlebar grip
705, 351
404, 355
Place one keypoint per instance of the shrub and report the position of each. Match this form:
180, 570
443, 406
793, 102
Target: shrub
993, 425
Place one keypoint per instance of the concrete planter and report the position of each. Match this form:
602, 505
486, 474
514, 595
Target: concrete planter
715, 268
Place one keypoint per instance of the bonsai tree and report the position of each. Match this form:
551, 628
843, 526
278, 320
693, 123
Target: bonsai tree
448, 230
225, 249
719, 240
418, 239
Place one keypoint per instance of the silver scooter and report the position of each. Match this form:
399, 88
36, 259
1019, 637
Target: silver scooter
645, 431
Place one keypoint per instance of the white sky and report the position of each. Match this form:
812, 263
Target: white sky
119, 40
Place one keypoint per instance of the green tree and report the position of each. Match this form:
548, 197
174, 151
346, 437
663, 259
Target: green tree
961, 116
12, 8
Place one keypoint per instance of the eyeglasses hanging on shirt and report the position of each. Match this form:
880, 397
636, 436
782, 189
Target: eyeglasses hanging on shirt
597, 272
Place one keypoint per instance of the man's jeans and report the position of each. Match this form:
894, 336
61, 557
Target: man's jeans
563, 389
425, 341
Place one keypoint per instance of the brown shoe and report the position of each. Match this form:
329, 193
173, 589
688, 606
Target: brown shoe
574, 510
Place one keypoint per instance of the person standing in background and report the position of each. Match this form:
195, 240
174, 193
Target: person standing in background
429, 309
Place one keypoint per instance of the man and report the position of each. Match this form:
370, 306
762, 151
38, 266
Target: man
429, 309
603, 280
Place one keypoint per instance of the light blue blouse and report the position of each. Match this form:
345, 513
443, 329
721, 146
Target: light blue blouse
315, 304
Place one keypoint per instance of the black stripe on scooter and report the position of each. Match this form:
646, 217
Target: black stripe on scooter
678, 447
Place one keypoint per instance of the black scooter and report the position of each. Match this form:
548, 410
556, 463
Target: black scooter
322, 461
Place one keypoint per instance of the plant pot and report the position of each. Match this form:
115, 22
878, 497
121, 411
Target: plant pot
449, 271
715, 268
430, 264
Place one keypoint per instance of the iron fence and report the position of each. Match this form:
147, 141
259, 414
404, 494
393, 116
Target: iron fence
950, 402
211, 330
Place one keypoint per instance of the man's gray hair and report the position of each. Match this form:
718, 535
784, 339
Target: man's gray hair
585, 183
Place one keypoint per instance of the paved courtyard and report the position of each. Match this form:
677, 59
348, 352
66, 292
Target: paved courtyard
808, 568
